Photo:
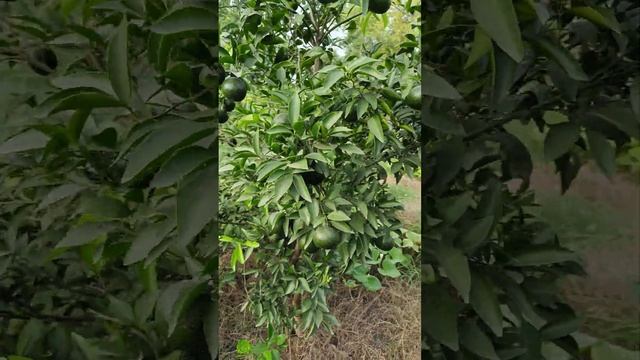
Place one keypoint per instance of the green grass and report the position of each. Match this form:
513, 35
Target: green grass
580, 222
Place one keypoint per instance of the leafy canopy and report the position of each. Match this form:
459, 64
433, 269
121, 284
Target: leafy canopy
494, 73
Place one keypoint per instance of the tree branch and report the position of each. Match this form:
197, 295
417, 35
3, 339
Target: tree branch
5, 314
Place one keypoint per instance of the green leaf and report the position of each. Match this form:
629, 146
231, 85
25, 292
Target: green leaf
86, 100
59, 193
120, 309
436, 86
538, 257
603, 151
561, 327
294, 108
304, 284
476, 234
440, 315
85, 234
300, 165
369, 282
354, 64
480, 47
555, 118
331, 119
476, 341
181, 163
197, 202
89, 351
441, 121
147, 239
162, 141
210, 329
599, 15
485, 302
282, 186
498, 19
621, 117
30, 336
342, 227
28, 140
175, 299
561, 56
338, 216
376, 128
301, 187
456, 266
268, 167
389, 268
186, 19
118, 62
560, 140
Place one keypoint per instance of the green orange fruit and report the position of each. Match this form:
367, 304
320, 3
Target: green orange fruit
234, 88
379, 6
414, 98
325, 237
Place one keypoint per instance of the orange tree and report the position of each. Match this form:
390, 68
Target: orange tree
566, 69
107, 179
303, 196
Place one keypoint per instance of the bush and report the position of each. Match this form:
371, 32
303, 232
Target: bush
304, 199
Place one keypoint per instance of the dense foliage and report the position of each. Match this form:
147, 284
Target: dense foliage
566, 69
304, 200
107, 179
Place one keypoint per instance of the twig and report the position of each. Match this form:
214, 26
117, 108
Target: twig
46, 317
338, 25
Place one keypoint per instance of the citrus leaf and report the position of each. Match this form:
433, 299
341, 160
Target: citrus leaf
28, 140
476, 341
561, 56
86, 100
117, 62
338, 216
436, 86
294, 108
481, 46
485, 302
186, 19
301, 187
162, 141
59, 193
175, 299
498, 19
180, 164
85, 234
456, 266
146, 240
197, 202
561, 328
282, 186
603, 151
440, 313
560, 139
376, 128
598, 15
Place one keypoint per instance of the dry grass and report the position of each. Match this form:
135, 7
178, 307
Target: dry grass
373, 325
